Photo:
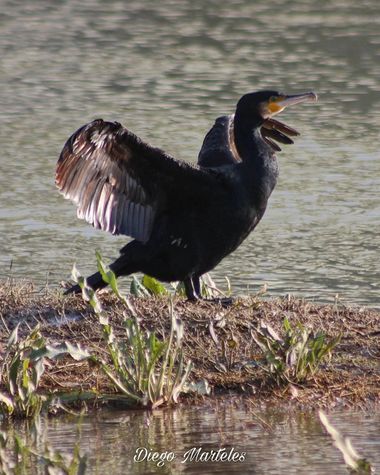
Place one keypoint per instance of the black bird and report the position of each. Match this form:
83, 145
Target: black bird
184, 218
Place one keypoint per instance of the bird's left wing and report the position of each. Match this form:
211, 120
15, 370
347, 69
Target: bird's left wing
119, 182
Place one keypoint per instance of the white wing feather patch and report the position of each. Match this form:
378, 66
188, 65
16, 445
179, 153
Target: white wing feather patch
93, 172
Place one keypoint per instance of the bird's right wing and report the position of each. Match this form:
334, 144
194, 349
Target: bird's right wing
218, 147
119, 182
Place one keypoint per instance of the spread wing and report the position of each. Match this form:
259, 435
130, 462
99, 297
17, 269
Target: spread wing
118, 182
219, 148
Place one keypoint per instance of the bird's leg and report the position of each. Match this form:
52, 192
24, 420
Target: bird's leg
193, 292
196, 281
223, 301
192, 288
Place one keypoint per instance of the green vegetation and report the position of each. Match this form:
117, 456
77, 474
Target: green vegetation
296, 356
135, 350
143, 368
21, 371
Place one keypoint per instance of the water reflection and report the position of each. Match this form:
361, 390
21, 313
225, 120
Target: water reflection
167, 69
270, 441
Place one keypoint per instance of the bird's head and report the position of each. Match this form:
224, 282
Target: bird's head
269, 103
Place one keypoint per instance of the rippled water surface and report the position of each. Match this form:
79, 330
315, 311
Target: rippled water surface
167, 69
269, 441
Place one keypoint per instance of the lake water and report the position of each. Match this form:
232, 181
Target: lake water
269, 441
166, 70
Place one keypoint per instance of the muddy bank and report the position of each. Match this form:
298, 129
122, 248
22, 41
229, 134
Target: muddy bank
217, 340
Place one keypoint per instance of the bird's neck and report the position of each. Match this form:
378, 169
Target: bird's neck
248, 140
259, 165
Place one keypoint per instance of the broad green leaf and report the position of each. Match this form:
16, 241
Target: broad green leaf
137, 289
66, 348
25, 376
153, 285
39, 369
13, 373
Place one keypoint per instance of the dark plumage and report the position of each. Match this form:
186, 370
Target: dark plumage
184, 218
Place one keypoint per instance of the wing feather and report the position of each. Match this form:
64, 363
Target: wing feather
218, 149
118, 182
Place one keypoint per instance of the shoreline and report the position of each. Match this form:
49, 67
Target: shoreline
217, 340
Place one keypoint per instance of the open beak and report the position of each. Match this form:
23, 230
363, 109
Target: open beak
273, 124
272, 129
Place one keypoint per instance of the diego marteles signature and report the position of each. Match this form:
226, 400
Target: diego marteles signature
195, 454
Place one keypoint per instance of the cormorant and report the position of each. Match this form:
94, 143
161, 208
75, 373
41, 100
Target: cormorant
184, 218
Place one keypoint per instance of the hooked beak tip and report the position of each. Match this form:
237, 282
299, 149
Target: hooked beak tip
313, 97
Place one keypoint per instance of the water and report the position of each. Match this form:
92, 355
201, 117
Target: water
270, 441
167, 70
